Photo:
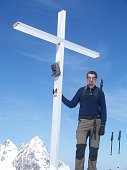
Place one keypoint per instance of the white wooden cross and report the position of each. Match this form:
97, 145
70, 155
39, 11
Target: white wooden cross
61, 43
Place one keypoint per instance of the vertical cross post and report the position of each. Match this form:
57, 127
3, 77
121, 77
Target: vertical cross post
56, 113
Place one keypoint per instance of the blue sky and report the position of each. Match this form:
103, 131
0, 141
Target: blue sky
25, 72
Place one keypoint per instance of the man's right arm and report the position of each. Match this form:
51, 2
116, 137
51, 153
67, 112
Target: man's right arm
72, 103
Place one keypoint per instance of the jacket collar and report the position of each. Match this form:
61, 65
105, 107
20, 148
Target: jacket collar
88, 88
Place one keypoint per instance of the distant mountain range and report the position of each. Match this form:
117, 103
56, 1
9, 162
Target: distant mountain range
30, 156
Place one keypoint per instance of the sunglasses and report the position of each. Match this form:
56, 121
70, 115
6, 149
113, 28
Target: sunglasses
91, 78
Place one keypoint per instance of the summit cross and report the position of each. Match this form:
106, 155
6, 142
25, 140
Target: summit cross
61, 43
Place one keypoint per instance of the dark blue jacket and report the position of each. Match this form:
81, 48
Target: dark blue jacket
90, 104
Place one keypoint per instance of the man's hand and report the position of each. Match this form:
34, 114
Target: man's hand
101, 131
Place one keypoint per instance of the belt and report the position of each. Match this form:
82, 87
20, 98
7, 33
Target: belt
89, 117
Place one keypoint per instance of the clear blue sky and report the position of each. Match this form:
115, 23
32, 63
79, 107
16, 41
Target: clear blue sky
25, 72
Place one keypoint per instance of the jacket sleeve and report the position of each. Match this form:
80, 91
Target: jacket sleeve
75, 100
103, 108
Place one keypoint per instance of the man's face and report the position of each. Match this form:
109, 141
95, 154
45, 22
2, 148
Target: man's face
91, 80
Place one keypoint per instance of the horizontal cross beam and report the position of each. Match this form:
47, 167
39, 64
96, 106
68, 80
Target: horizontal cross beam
54, 39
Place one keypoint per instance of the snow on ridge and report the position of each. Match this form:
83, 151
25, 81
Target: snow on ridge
62, 166
8, 151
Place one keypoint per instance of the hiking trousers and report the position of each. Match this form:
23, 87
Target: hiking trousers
87, 129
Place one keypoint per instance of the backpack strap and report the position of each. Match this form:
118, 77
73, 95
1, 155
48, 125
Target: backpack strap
84, 91
97, 93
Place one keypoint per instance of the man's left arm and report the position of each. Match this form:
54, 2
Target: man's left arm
103, 113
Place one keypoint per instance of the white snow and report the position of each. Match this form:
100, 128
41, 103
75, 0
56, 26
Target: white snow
29, 156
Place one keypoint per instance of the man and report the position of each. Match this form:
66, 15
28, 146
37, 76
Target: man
92, 120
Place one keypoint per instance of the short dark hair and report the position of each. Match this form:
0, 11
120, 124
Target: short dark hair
92, 72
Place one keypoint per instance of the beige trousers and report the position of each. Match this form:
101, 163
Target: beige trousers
87, 129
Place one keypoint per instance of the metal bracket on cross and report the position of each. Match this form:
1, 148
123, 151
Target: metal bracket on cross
61, 43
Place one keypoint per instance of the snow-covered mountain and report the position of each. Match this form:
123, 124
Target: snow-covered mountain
8, 152
30, 156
